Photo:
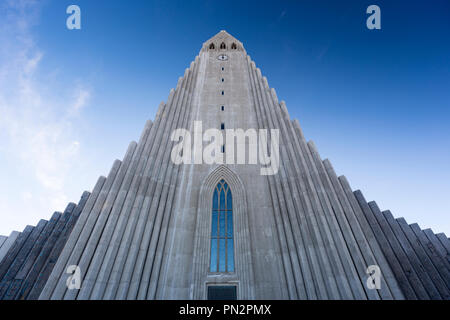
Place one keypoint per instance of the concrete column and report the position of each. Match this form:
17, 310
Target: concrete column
82, 242
436, 243
285, 240
106, 252
145, 196
103, 228
296, 218
161, 251
151, 278
8, 244
400, 254
21, 275
438, 281
164, 207
444, 241
338, 234
43, 265
50, 253
10, 257
334, 243
412, 257
20, 258
303, 187
400, 276
113, 247
301, 276
130, 281
439, 262
2, 240
83, 235
308, 184
153, 199
122, 272
60, 266
389, 286
350, 229
129, 211
101, 257
306, 177
344, 191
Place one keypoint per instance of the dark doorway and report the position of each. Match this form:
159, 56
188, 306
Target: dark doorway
222, 293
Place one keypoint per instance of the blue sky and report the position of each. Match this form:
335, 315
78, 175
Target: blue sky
376, 103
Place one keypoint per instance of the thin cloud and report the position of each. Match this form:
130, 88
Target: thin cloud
36, 124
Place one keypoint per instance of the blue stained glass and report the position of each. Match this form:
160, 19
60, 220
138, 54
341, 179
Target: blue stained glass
230, 249
214, 224
222, 243
222, 200
213, 265
215, 199
222, 224
229, 200
222, 255
229, 224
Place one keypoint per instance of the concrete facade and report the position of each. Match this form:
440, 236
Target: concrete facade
145, 231
28, 262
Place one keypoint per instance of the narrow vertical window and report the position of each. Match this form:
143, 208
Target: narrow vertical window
223, 79
223, 68
222, 244
223, 92
222, 126
223, 108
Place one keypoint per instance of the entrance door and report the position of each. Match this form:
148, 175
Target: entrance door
222, 293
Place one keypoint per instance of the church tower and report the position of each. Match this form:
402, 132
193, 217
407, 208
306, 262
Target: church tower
156, 229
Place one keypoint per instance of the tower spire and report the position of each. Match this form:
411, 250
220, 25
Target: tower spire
223, 41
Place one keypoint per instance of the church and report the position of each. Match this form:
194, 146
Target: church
157, 229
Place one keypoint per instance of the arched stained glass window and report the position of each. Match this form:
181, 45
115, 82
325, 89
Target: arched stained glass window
222, 245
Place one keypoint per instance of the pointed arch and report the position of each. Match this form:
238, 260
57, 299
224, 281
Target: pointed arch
234, 46
222, 231
212, 46
223, 46
243, 267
